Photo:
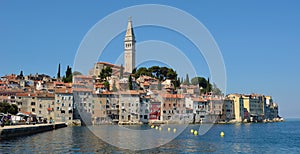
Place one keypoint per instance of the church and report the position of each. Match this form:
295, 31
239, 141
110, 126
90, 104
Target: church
129, 55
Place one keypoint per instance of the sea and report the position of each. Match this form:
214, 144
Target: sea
277, 137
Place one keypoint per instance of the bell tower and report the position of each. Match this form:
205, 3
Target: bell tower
129, 48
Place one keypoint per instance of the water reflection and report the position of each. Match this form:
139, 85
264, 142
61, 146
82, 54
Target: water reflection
253, 138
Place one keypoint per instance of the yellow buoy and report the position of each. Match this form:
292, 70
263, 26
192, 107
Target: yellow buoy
195, 133
160, 128
222, 134
174, 130
169, 129
156, 127
192, 130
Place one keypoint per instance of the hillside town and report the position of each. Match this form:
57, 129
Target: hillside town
113, 94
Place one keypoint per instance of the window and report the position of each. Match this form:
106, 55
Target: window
33, 109
33, 103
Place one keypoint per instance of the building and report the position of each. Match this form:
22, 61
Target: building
64, 103
99, 109
238, 104
129, 102
145, 108
129, 48
228, 109
173, 104
253, 104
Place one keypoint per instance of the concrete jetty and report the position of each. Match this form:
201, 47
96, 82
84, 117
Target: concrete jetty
23, 130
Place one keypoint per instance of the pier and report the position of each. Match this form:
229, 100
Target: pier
23, 130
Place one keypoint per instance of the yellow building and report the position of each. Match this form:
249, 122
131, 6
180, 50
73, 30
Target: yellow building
238, 106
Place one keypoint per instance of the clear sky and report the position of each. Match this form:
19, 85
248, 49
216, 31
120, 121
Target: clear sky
259, 41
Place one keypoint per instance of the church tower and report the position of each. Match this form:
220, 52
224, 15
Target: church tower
129, 48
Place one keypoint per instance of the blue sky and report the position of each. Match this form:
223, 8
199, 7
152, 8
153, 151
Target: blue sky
259, 41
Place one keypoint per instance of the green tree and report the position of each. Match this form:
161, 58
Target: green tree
176, 83
155, 71
106, 85
76, 73
21, 74
8, 108
114, 87
159, 87
105, 73
141, 71
122, 71
58, 72
216, 90
187, 80
69, 76
171, 74
130, 86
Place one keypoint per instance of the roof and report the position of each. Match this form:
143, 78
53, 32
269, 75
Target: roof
26, 94
172, 95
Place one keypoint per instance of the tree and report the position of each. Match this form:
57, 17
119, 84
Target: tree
141, 71
58, 72
105, 73
121, 71
8, 108
114, 88
216, 90
21, 74
13, 109
106, 85
69, 76
130, 86
76, 73
187, 80
159, 85
155, 71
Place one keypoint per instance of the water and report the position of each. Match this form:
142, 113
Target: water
282, 137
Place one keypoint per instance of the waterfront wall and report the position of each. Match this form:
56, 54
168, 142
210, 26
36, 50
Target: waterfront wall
23, 130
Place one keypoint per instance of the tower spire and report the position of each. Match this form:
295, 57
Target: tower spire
129, 31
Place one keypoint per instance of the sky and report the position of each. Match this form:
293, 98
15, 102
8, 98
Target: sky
259, 41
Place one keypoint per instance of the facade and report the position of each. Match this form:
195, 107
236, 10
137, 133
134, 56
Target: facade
99, 110
254, 106
129, 107
64, 105
173, 104
228, 110
238, 106
155, 111
145, 109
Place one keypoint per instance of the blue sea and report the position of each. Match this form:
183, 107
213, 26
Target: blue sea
280, 137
